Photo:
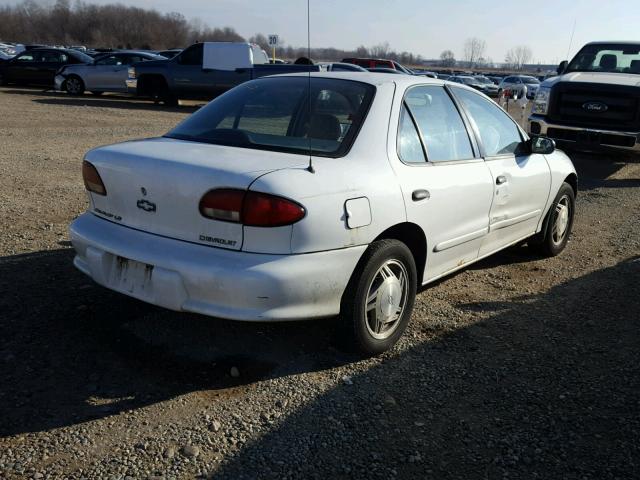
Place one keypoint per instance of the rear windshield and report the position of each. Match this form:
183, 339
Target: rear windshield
273, 114
612, 58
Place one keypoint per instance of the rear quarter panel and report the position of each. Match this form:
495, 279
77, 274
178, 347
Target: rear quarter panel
364, 172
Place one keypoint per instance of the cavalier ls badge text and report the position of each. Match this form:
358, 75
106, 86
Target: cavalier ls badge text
596, 107
146, 205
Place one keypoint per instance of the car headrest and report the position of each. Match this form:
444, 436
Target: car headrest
324, 127
635, 66
608, 62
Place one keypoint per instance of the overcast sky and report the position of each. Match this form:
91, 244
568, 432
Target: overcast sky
425, 27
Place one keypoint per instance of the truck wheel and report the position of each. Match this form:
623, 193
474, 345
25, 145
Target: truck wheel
554, 237
74, 85
378, 301
160, 93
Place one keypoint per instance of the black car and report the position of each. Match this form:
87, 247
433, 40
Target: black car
39, 66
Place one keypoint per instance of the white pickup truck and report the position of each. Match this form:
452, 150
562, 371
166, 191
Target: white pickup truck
594, 102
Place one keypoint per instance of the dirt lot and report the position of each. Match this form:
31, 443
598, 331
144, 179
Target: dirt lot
518, 367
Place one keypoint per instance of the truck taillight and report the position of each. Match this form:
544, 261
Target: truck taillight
253, 209
92, 180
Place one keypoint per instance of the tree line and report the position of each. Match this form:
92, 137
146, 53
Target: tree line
473, 55
109, 26
120, 26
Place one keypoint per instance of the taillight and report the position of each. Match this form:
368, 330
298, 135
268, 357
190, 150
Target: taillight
253, 209
92, 180
222, 204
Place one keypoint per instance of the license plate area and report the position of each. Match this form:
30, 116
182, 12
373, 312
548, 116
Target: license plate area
131, 277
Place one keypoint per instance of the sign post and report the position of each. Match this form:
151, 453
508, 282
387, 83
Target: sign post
273, 43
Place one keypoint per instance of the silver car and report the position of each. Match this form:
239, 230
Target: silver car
521, 85
108, 73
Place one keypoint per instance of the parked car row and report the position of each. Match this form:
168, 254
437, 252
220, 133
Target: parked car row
200, 71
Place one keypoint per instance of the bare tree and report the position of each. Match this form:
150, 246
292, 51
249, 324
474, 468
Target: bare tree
448, 58
74, 22
518, 56
380, 51
474, 49
260, 39
111, 25
362, 51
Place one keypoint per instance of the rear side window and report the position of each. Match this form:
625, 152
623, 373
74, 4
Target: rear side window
273, 114
409, 145
192, 55
498, 132
53, 57
438, 121
27, 57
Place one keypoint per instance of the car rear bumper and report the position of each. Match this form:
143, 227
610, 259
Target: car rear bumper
585, 138
223, 283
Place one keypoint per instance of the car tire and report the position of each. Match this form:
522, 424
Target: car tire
3, 81
74, 85
377, 303
557, 226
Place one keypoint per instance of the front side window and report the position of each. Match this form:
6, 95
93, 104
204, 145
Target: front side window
444, 134
110, 60
498, 132
273, 114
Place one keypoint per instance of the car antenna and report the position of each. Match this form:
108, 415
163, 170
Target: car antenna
572, 32
310, 167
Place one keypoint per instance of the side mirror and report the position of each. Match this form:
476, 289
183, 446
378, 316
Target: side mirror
542, 145
562, 67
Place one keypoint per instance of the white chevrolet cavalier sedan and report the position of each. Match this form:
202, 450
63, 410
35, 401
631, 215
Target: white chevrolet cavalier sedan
295, 198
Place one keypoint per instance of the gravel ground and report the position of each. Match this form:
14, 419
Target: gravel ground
517, 367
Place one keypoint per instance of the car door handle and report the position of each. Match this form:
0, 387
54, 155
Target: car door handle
418, 195
501, 179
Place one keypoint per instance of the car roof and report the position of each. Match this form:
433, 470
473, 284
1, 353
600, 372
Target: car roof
617, 42
374, 78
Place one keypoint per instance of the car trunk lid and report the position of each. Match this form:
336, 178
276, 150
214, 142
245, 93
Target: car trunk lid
156, 185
